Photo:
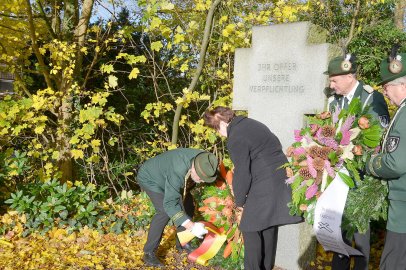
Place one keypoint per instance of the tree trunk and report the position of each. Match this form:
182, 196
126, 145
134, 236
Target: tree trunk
65, 115
63, 137
400, 7
80, 33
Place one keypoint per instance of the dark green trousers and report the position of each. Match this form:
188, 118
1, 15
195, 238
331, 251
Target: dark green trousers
394, 252
161, 219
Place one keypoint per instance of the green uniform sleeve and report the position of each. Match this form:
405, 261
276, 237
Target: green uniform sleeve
379, 109
391, 163
173, 199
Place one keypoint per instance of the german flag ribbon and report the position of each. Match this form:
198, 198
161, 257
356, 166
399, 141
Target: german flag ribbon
211, 244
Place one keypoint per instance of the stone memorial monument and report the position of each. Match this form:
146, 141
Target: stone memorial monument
278, 81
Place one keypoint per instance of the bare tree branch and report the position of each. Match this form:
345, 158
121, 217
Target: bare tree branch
35, 46
44, 17
80, 32
202, 56
11, 28
353, 23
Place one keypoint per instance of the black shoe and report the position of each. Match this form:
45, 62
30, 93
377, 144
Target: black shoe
188, 248
150, 259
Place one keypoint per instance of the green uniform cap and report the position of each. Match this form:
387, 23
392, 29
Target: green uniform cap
393, 69
340, 66
206, 166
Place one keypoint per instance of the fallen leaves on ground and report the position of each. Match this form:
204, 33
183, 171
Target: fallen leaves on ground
324, 258
88, 249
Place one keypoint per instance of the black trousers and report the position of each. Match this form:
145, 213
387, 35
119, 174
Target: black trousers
260, 249
362, 243
160, 219
394, 252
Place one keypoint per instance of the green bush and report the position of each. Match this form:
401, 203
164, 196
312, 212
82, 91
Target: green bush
52, 204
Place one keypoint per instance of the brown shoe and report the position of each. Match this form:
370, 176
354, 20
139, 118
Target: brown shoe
150, 259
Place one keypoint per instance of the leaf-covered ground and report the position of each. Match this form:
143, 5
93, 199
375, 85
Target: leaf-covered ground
91, 250
323, 259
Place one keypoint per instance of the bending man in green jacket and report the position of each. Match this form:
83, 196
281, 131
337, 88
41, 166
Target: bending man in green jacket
165, 179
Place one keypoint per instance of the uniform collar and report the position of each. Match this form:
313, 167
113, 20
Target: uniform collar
402, 102
351, 94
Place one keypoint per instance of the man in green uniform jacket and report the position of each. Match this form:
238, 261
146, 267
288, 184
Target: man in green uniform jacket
346, 87
390, 163
164, 178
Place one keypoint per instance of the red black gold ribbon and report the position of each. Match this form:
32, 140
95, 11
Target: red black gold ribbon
212, 243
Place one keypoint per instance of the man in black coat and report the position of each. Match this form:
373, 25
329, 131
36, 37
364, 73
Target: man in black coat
258, 183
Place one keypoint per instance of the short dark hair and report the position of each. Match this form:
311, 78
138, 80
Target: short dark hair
213, 117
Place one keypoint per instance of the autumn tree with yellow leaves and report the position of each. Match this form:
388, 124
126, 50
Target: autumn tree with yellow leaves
55, 116
59, 115
94, 98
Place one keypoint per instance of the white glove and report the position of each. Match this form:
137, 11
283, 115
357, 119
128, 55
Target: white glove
198, 230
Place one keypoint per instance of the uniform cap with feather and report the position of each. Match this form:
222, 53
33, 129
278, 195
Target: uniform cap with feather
394, 66
342, 65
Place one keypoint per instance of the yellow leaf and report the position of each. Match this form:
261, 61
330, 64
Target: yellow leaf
95, 143
6, 219
167, 6
132, 59
228, 30
165, 31
134, 73
42, 51
168, 106
48, 166
93, 158
112, 141
84, 50
223, 19
178, 38
77, 153
73, 140
100, 98
107, 68
193, 25
156, 46
179, 100
113, 81
184, 67
172, 146
4, 242
204, 97
23, 218
155, 23
39, 129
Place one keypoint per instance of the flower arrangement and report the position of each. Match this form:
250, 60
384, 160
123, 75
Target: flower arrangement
330, 143
218, 207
